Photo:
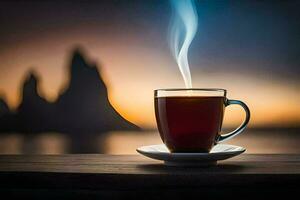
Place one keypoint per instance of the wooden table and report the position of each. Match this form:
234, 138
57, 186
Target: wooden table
114, 176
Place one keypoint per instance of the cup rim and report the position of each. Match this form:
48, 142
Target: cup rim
171, 90
196, 89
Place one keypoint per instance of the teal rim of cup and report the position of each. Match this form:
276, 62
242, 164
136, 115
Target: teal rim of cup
191, 89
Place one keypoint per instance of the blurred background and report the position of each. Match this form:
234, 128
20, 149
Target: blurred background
78, 77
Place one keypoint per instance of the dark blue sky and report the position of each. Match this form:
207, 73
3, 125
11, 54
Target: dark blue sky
265, 34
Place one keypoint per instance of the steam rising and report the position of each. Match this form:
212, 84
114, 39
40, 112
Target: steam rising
182, 31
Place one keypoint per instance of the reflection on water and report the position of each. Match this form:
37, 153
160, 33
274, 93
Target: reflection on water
267, 141
11, 144
51, 143
48, 143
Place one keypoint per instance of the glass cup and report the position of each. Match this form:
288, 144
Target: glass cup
190, 120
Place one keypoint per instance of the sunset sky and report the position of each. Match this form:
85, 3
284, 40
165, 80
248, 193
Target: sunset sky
250, 48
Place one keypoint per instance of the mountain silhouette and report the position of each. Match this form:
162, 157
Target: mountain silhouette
82, 107
4, 109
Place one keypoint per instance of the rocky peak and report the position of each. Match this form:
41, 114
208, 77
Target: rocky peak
4, 109
30, 85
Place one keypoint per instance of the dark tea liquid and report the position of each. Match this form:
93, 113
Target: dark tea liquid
189, 124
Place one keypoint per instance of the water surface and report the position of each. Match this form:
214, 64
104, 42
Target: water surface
255, 141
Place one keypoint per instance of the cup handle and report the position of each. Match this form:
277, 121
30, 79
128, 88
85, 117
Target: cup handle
227, 136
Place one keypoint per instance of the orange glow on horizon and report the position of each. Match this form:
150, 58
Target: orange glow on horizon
132, 69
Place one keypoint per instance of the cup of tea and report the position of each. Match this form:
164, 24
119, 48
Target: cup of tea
190, 120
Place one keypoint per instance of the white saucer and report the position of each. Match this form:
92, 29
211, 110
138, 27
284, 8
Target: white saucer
218, 152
